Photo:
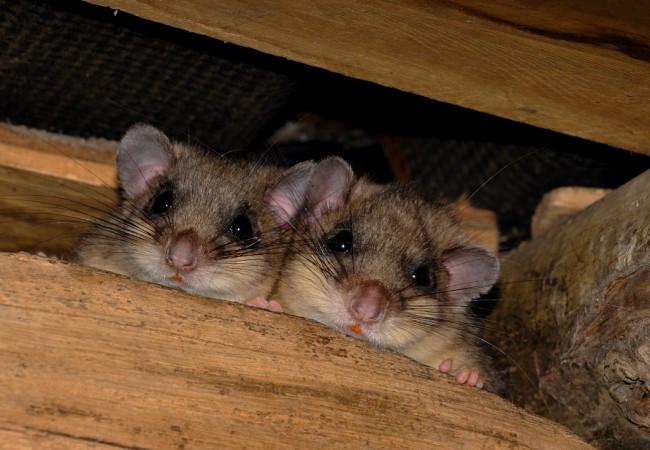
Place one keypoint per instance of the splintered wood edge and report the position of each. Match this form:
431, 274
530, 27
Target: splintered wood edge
99, 358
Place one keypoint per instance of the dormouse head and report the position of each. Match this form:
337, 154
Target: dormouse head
379, 263
192, 220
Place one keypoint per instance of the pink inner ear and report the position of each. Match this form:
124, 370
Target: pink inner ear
287, 198
282, 207
329, 186
472, 271
139, 182
144, 153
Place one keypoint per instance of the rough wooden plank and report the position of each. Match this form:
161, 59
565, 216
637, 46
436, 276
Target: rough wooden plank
50, 187
103, 358
574, 314
580, 68
64, 157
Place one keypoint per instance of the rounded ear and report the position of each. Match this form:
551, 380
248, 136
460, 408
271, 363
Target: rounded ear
329, 187
287, 198
471, 271
144, 153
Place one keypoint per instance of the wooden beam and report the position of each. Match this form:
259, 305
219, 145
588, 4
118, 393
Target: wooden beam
579, 68
94, 357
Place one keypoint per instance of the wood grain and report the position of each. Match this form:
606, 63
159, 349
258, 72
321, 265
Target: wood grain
50, 189
98, 358
580, 68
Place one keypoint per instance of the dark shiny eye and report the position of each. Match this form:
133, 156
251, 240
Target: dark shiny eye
162, 202
421, 276
341, 242
242, 228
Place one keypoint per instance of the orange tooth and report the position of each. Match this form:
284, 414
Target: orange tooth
176, 277
355, 328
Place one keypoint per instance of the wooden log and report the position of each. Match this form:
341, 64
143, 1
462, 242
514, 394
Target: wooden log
93, 359
574, 317
585, 75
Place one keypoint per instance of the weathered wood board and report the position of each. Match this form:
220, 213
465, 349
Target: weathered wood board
92, 359
580, 68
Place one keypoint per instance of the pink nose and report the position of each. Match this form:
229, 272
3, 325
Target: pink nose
369, 300
182, 253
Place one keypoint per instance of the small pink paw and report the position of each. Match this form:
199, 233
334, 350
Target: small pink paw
463, 375
262, 303
275, 306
